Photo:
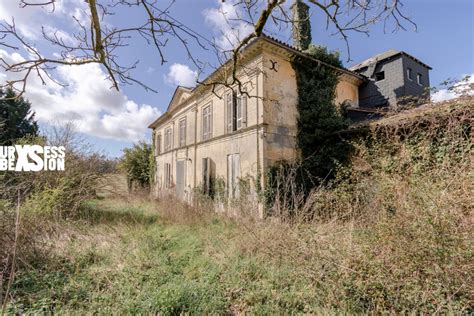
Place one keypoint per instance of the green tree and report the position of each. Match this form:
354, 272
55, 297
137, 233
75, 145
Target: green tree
136, 163
321, 53
17, 120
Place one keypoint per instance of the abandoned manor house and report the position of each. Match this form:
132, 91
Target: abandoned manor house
230, 133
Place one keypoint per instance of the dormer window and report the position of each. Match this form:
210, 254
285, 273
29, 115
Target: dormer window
419, 79
410, 74
380, 76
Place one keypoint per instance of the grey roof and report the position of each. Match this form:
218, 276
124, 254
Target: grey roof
375, 59
383, 56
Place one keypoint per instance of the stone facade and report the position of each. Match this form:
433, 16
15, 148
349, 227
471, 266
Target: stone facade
196, 139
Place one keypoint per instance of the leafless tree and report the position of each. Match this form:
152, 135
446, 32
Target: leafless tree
97, 42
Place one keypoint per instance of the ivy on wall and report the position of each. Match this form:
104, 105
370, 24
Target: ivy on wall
319, 117
321, 149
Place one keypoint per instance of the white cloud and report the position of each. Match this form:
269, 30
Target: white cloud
459, 88
30, 19
227, 19
442, 95
181, 75
88, 100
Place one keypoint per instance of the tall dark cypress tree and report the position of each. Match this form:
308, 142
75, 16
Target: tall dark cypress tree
17, 120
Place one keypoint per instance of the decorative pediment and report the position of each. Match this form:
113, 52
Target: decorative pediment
180, 94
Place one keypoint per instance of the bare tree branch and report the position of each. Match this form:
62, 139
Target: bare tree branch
100, 43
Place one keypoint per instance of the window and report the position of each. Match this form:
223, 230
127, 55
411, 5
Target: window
236, 111
158, 144
419, 79
207, 122
167, 175
233, 175
158, 175
241, 111
380, 76
207, 176
410, 74
230, 112
182, 132
168, 139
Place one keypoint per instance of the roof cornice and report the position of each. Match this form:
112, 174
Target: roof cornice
253, 49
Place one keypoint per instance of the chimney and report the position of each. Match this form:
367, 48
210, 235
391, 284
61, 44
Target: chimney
301, 25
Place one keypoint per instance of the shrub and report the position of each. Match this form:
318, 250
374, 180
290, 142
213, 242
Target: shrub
44, 198
137, 164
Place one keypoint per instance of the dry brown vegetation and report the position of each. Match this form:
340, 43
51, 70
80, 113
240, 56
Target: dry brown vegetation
391, 234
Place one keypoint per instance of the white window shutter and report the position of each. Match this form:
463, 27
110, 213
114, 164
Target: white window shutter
204, 124
229, 112
238, 112
210, 122
229, 176
237, 175
244, 110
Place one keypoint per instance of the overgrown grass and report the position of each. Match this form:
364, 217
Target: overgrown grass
122, 257
128, 257
392, 234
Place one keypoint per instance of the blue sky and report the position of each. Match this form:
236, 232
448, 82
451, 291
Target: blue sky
444, 40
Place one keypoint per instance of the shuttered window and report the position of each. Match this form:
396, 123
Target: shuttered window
207, 122
168, 138
236, 111
230, 112
167, 172
158, 144
233, 175
241, 111
182, 132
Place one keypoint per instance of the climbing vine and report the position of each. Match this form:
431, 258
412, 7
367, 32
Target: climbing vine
321, 150
319, 117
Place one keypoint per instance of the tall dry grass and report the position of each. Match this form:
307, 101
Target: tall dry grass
43, 200
391, 234
393, 231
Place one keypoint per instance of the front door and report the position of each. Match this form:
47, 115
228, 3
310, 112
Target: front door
180, 178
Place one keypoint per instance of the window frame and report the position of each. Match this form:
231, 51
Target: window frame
233, 175
168, 138
167, 172
158, 144
236, 111
241, 120
376, 76
418, 79
207, 175
410, 74
207, 122
229, 112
